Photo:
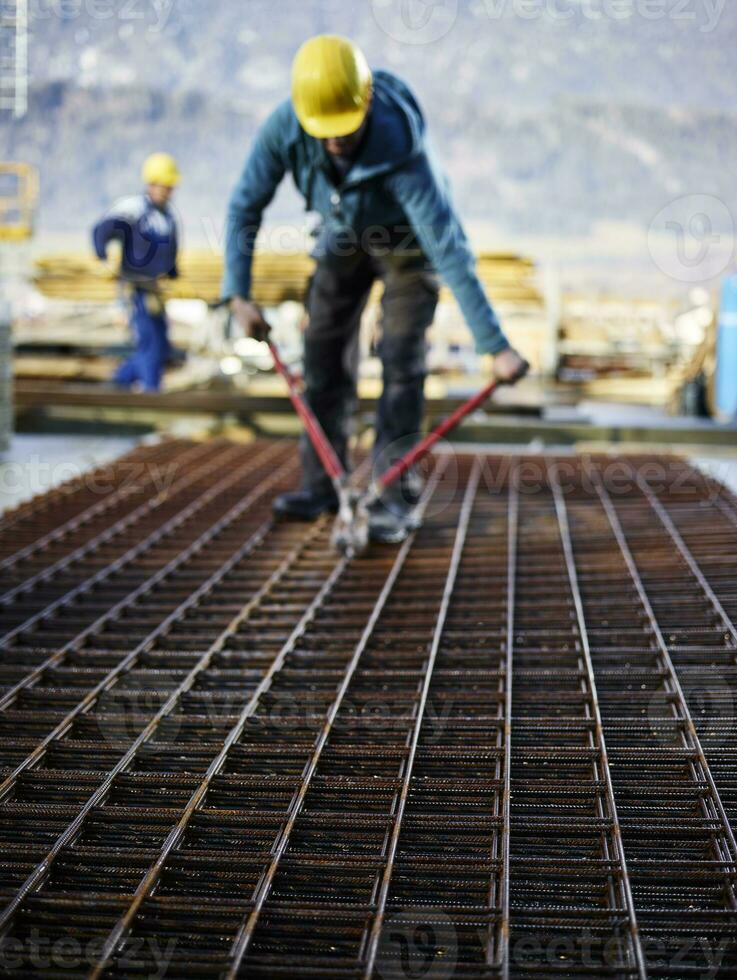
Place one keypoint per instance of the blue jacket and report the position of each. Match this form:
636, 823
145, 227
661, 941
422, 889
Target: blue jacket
148, 235
394, 183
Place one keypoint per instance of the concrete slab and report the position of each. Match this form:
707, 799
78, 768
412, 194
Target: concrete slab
36, 463
722, 468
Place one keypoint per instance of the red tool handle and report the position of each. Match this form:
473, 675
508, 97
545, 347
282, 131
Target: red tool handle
425, 445
328, 456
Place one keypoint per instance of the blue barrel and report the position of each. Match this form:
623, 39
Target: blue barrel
726, 380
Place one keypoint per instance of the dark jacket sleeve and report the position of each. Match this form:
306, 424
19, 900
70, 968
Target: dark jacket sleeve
104, 232
422, 192
262, 174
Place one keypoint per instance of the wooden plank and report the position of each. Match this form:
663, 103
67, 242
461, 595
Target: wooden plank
35, 394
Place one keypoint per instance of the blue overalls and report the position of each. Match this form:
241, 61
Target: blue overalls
150, 329
149, 239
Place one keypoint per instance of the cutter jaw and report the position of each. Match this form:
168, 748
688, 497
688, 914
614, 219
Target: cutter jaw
350, 532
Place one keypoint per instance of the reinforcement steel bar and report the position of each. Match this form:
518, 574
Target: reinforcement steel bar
504, 749
245, 934
379, 916
22, 600
124, 665
142, 476
571, 903
727, 847
502, 944
30, 520
624, 889
113, 612
75, 828
687, 556
673, 820
706, 658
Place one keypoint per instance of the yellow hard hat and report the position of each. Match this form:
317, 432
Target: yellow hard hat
161, 168
331, 86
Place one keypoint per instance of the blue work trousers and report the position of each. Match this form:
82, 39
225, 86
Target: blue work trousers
150, 330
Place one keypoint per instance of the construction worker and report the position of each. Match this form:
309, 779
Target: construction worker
146, 228
354, 142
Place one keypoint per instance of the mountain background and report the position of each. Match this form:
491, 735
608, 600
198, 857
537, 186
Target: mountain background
549, 125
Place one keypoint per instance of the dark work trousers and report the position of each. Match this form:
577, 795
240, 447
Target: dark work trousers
336, 299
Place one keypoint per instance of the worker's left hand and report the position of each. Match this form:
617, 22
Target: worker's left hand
509, 366
250, 317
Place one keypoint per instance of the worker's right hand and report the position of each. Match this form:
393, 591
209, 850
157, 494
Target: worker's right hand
250, 317
509, 366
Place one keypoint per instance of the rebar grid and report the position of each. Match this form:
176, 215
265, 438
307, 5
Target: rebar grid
503, 749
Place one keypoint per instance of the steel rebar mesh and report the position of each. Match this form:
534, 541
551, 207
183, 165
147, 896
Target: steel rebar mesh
504, 748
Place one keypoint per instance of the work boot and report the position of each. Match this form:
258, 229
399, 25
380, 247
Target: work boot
306, 504
403, 496
391, 519
412, 485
